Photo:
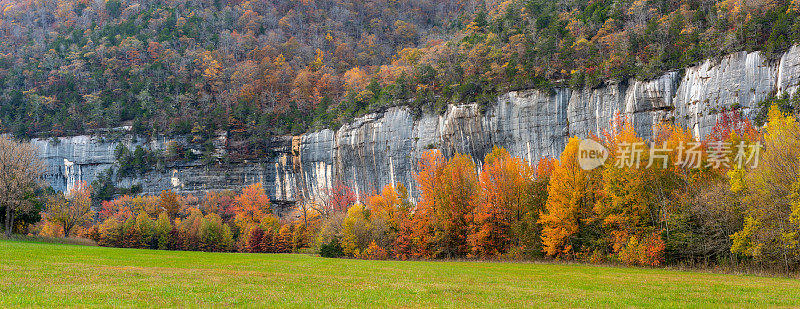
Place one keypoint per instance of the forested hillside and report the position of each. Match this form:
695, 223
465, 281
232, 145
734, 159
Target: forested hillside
177, 66
260, 68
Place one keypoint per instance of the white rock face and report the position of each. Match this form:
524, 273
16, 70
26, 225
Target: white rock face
789, 71
381, 149
70, 160
739, 79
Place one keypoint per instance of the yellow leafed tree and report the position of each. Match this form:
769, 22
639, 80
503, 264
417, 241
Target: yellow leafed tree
569, 203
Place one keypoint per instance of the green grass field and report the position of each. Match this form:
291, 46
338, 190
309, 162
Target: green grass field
37, 274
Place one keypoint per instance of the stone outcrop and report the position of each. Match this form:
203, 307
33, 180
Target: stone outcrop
383, 148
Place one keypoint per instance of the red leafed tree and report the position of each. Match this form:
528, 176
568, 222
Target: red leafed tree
221, 203
731, 122
403, 245
255, 239
339, 198
116, 206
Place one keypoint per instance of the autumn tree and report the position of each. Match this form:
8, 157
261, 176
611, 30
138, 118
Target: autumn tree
336, 199
163, 232
254, 240
220, 203
130, 234
769, 235
390, 216
283, 239
145, 229
566, 219
188, 230
431, 168
505, 184
300, 238
731, 124
70, 211
356, 230
111, 232
169, 202
528, 230
628, 210
698, 211
251, 206
214, 235
20, 172
449, 194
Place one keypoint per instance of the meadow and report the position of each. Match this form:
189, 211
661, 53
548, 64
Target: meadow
40, 274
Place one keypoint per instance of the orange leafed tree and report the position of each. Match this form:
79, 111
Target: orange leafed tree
449, 193
251, 206
170, 203
505, 184
72, 211
385, 203
431, 168
460, 196
544, 168
392, 207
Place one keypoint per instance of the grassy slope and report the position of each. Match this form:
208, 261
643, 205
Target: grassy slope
49, 275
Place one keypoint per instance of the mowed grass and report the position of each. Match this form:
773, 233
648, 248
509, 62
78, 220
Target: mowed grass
37, 274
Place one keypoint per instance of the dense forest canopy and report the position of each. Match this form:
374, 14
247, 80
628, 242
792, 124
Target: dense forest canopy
260, 68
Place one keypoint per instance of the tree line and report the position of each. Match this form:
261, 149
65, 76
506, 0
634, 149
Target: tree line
705, 213
708, 211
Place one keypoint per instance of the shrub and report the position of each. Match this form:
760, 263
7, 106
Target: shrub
374, 252
110, 233
332, 249
214, 236
647, 251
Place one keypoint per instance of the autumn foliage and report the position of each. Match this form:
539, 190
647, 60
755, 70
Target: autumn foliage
570, 197
649, 210
224, 221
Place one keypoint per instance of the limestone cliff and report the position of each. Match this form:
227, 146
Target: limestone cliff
380, 149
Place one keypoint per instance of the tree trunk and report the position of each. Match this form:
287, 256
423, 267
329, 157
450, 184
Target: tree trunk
9, 221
